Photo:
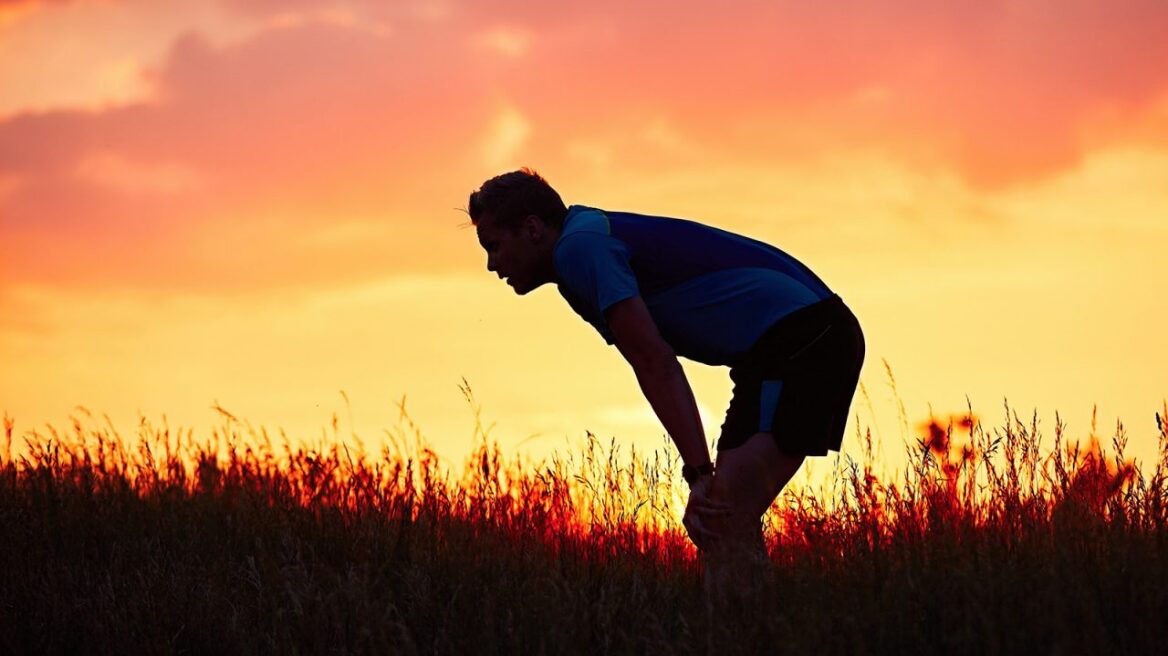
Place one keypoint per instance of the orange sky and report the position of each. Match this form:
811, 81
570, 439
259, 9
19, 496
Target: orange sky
255, 202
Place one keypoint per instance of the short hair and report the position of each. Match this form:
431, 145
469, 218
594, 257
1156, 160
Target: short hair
511, 197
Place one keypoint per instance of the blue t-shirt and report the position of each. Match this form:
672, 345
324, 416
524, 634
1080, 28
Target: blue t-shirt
712, 293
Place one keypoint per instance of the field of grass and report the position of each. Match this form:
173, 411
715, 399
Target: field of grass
995, 540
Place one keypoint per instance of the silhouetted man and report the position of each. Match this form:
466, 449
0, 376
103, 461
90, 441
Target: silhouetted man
659, 288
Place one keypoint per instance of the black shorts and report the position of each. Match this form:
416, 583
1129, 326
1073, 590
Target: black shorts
797, 381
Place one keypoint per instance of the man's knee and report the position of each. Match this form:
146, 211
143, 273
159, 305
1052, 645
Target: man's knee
743, 522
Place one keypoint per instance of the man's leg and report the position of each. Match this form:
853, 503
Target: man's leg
748, 477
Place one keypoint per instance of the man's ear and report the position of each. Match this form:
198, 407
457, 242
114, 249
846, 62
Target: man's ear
534, 226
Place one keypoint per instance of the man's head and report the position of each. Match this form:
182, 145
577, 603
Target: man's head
519, 218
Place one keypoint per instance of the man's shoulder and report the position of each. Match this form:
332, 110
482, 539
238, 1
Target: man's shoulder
585, 229
584, 219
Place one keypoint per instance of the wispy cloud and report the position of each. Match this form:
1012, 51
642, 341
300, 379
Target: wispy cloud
508, 131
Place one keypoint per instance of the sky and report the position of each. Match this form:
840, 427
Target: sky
259, 205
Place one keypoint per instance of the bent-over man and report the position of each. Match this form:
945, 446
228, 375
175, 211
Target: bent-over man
658, 288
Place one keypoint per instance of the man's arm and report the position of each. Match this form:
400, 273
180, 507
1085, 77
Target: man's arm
661, 377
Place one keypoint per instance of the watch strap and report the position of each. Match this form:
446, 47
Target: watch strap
691, 473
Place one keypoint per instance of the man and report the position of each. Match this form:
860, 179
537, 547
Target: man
659, 288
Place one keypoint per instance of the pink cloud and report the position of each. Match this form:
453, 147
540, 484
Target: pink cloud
250, 149
997, 90
299, 126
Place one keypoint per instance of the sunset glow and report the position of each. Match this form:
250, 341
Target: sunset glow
258, 203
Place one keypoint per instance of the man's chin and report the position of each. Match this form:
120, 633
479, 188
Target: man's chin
524, 288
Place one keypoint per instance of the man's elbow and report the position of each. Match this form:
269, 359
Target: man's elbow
653, 360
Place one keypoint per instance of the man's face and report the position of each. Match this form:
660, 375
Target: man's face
514, 256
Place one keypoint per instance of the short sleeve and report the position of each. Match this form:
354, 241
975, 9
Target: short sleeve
595, 268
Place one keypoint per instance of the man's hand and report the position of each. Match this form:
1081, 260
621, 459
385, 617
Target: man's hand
699, 510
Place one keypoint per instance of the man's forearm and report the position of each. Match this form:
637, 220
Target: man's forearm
667, 389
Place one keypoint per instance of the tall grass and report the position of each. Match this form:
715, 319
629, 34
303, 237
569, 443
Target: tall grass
989, 542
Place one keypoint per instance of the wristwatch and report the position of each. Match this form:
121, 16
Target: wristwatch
691, 473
